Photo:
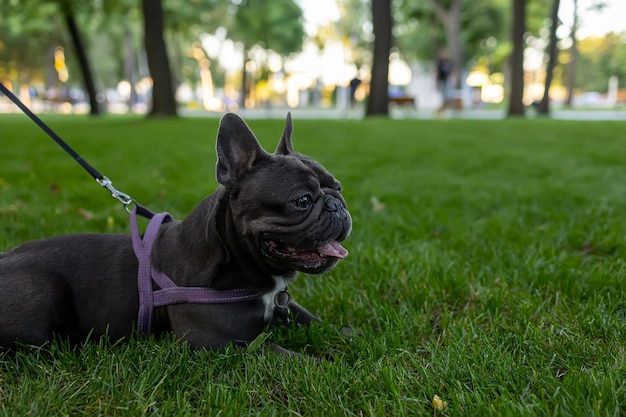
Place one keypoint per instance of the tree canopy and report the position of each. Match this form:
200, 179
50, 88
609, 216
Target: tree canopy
48, 44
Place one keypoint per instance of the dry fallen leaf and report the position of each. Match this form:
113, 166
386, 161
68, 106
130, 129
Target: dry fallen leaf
377, 206
85, 213
438, 403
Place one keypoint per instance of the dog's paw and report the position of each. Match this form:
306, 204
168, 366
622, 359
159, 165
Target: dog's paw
282, 351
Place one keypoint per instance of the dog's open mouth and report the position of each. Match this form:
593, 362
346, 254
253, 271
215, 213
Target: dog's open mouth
309, 258
333, 249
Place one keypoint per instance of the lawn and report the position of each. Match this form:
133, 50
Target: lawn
487, 267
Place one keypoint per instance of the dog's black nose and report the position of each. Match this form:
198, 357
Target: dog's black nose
333, 204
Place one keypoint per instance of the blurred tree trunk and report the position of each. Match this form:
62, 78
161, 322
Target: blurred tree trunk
163, 98
516, 97
51, 72
544, 104
573, 59
244, 80
130, 67
83, 60
378, 101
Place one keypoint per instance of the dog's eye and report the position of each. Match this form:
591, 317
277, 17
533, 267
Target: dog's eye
303, 202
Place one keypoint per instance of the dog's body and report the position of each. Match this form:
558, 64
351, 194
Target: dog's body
274, 215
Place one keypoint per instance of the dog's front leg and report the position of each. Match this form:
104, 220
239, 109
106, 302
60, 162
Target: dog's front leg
301, 315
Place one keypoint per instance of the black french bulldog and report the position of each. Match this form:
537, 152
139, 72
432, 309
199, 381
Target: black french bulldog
274, 215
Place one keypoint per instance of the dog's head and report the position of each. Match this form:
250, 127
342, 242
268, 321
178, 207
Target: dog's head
287, 209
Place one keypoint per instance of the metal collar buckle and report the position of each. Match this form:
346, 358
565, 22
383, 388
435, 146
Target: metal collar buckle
282, 312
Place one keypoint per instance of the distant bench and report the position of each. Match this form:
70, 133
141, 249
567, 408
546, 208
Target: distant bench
402, 101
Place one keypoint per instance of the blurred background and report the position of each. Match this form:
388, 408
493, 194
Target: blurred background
359, 57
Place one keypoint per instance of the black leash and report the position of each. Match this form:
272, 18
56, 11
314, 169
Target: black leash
103, 181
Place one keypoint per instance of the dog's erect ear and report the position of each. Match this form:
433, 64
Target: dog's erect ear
237, 149
284, 146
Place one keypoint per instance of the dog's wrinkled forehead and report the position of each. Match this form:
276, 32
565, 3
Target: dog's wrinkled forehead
289, 173
325, 178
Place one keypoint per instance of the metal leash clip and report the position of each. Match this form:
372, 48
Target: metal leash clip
123, 198
282, 312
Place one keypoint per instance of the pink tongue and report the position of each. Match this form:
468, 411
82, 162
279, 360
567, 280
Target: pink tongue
333, 249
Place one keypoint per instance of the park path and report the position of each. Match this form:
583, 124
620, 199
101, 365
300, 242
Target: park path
405, 113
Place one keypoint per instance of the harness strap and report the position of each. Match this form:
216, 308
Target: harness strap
168, 293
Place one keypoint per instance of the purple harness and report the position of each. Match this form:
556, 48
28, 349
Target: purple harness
168, 292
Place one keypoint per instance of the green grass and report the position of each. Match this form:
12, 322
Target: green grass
494, 277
